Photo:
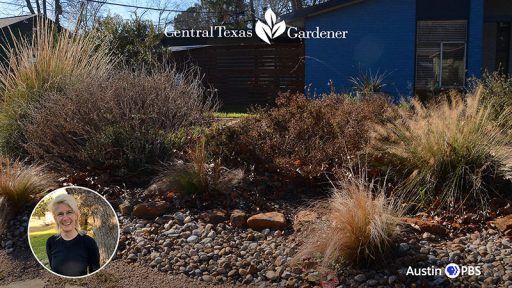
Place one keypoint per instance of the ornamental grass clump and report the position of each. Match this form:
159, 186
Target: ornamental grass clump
496, 89
454, 152
48, 62
19, 182
199, 179
357, 227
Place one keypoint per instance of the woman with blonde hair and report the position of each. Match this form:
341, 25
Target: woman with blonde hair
70, 252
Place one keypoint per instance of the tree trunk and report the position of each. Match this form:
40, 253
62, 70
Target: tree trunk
58, 11
253, 14
105, 232
101, 218
6, 212
44, 7
38, 7
30, 8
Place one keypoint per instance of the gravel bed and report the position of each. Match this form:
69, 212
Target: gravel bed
182, 243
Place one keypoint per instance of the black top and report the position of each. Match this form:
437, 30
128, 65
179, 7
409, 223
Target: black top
76, 257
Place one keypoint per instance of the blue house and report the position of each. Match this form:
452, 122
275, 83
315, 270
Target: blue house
421, 45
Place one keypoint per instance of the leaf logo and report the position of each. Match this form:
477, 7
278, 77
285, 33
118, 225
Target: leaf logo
270, 30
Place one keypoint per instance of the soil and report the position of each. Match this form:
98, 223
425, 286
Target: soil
20, 269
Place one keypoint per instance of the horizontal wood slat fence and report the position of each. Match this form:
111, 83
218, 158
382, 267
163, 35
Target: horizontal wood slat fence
248, 75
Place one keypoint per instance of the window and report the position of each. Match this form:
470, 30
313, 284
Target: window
440, 54
452, 64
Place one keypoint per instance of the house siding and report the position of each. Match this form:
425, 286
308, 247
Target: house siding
19, 29
475, 38
381, 38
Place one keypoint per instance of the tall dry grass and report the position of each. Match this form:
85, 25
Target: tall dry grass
20, 181
454, 151
49, 61
358, 226
496, 89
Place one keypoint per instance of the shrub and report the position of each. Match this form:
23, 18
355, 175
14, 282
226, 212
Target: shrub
453, 151
302, 135
127, 123
357, 227
136, 42
48, 62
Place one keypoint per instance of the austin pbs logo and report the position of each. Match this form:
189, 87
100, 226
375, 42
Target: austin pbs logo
453, 270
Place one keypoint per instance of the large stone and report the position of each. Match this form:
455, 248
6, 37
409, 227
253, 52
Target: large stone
271, 220
425, 226
150, 210
507, 210
303, 218
126, 208
504, 224
214, 216
238, 218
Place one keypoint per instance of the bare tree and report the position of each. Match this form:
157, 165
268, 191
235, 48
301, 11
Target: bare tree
29, 6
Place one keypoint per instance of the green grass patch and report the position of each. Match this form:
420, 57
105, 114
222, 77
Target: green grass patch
38, 242
230, 115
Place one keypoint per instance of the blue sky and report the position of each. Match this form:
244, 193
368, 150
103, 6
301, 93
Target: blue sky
10, 10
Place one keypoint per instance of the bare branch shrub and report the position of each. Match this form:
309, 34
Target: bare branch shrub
124, 123
308, 136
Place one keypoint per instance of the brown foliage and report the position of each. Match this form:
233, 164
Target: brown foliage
310, 136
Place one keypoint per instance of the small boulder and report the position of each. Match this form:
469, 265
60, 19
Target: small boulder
238, 218
303, 218
126, 208
271, 220
504, 224
150, 210
425, 226
214, 216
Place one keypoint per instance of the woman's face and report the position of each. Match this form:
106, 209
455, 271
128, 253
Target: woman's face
66, 218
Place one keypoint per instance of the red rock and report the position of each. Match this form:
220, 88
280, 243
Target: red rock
150, 210
426, 226
304, 217
238, 218
271, 220
504, 223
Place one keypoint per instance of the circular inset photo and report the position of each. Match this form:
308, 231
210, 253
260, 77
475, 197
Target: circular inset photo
73, 232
